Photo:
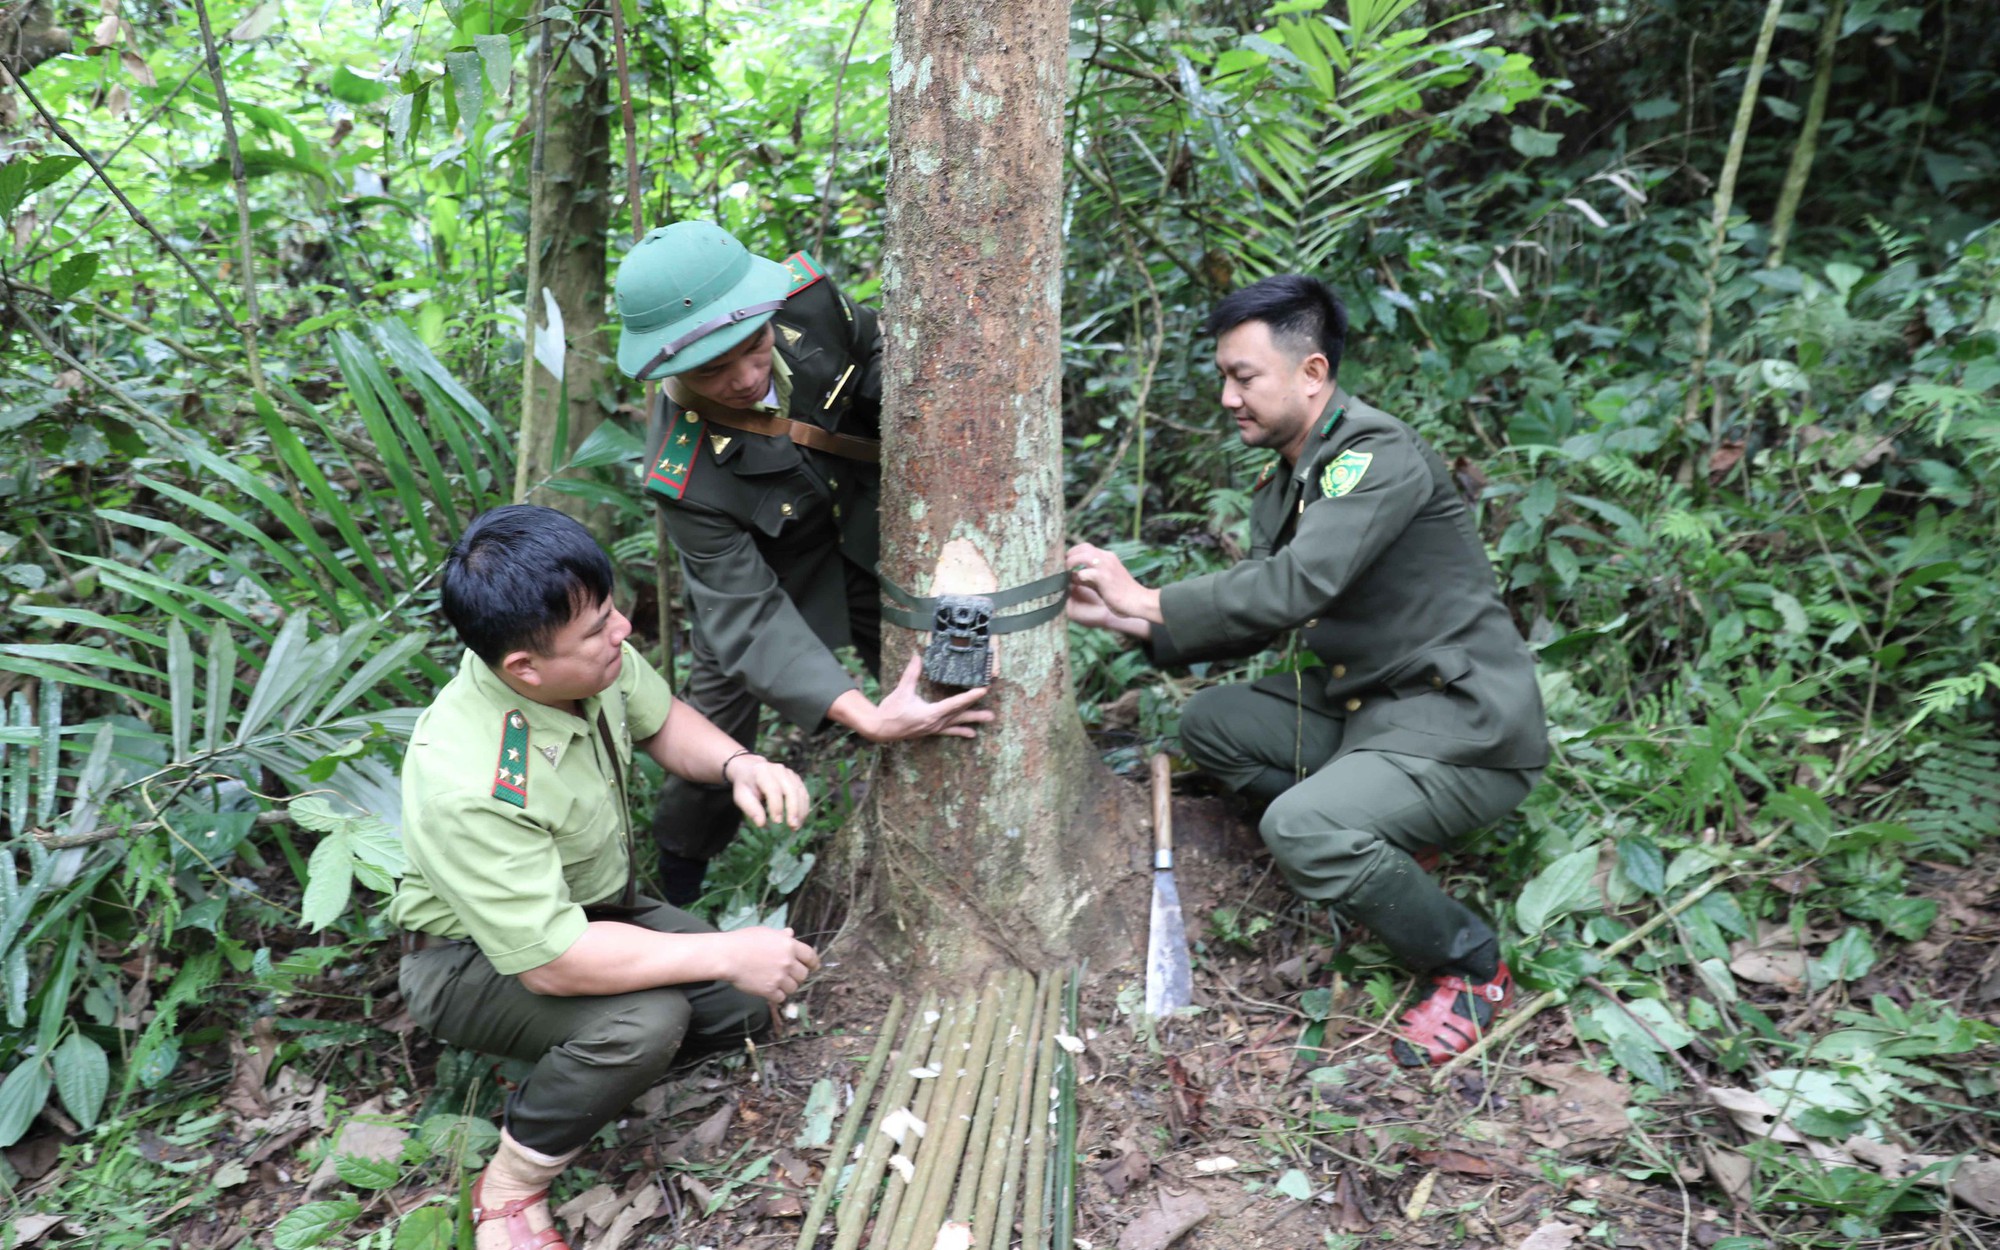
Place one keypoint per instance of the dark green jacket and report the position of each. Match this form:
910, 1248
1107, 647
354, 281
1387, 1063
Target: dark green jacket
1367, 550
773, 537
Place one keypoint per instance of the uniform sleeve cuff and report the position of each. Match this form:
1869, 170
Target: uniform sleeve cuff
1191, 616
563, 932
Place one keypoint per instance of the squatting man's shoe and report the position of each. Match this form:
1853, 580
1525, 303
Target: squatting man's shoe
1454, 1016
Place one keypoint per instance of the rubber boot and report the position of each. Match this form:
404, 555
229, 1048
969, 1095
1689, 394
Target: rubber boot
510, 1200
1426, 929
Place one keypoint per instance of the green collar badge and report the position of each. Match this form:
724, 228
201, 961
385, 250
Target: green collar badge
1333, 419
1344, 474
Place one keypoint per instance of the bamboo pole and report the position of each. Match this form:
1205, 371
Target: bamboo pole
1034, 1195
1062, 1220
950, 1042
850, 1124
1006, 1034
931, 1020
253, 321
993, 1205
944, 1149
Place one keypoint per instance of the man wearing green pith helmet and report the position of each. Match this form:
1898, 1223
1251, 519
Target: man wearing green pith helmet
765, 462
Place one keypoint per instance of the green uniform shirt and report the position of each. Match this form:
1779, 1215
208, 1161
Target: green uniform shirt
1366, 548
514, 812
774, 537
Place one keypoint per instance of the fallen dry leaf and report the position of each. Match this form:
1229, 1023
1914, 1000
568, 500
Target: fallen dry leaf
27, 1228
1420, 1197
1586, 1114
953, 1236
1553, 1236
1127, 1170
1975, 1180
1784, 968
1220, 1163
639, 1209
1730, 1170
1164, 1223
362, 1137
705, 1137
1458, 1162
597, 1205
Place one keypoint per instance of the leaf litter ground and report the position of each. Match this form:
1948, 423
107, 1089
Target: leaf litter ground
1269, 1116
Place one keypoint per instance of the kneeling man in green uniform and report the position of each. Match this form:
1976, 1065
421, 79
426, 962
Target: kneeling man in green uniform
523, 931
766, 465
1422, 721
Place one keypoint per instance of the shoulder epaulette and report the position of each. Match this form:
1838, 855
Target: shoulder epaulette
510, 776
804, 271
1265, 476
675, 459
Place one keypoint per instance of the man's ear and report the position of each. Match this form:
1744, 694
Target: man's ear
1316, 371
520, 665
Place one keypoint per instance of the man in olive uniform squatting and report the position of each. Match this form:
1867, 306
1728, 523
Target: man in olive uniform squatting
523, 932
1425, 721
764, 460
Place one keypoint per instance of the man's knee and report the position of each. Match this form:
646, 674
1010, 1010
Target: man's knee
1322, 857
636, 1034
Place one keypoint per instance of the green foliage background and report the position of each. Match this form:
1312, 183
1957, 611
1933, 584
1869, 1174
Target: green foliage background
1765, 633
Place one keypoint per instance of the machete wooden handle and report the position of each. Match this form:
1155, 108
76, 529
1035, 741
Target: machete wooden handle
1163, 803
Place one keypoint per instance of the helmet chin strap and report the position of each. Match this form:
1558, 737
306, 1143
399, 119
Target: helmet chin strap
703, 330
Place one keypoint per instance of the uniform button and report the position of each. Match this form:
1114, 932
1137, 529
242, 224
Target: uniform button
1437, 682
836, 512
1354, 705
1340, 670
1313, 623
785, 508
831, 483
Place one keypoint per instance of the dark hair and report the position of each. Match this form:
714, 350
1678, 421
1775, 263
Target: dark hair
1304, 314
517, 575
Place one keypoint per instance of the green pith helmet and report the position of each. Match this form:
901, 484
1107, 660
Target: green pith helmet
689, 292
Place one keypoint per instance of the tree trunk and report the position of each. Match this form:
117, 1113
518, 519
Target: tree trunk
569, 213
1800, 170
1002, 849
29, 36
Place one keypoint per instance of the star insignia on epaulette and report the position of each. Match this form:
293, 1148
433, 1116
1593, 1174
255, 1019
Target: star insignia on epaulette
510, 784
669, 474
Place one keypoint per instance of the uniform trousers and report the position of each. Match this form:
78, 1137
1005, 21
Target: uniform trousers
592, 1054
1343, 827
698, 821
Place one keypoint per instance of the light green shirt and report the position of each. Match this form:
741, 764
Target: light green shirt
515, 877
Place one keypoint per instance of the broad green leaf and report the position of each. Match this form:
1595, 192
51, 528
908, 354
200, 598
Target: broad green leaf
609, 443
1294, 1184
180, 687
1643, 864
351, 88
466, 1140
311, 1224
1562, 887
1531, 142
22, 1096
368, 1173
221, 685
426, 1228
73, 275
1848, 958
389, 660
282, 673
498, 56
1654, 109
468, 87
817, 1127
82, 1077
329, 881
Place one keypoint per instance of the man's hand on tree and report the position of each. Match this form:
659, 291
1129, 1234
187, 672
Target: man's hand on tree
766, 792
1088, 609
1105, 575
769, 963
904, 714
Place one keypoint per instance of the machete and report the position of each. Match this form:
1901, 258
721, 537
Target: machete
1167, 973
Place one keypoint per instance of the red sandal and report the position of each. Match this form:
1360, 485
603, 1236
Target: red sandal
519, 1236
1451, 1019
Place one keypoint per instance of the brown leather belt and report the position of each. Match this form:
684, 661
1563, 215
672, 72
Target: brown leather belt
413, 942
846, 446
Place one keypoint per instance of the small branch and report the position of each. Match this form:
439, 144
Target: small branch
631, 126
1694, 1077
1549, 998
66, 841
70, 141
833, 153
253, 324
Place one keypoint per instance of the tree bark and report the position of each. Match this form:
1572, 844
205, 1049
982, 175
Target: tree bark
29, 36
1003, 849
569, 214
